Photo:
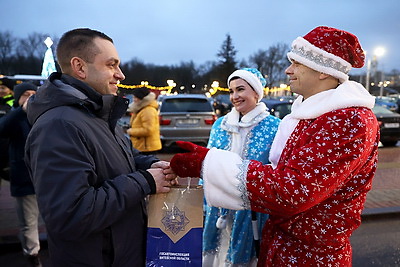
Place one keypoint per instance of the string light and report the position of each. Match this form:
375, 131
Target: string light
267, 90
146, 84
213, 90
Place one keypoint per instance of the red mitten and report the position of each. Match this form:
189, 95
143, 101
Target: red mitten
188, 164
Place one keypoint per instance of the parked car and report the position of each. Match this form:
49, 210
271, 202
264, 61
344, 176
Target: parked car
389, 123
222, 104
387, 102
185, 117
277, 107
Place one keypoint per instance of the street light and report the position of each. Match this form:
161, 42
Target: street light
378, 52
215, 84
214, 87
171, 83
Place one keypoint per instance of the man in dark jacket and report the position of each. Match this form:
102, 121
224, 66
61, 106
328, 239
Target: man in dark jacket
90, 183
6, 102
15, 126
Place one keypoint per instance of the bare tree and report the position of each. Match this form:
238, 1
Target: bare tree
7, 46
272, 63
33, 45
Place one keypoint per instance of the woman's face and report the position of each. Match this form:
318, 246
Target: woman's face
242, 96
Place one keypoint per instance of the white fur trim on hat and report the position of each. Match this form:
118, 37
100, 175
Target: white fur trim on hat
251, 79
318, 59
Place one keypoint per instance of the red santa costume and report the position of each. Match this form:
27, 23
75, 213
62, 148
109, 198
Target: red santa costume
323, 160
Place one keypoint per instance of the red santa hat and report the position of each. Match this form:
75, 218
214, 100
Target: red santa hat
328, 50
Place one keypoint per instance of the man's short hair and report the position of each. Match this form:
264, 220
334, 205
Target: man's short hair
78, 43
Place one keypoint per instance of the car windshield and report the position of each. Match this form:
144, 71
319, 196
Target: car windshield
381, 110
186, 105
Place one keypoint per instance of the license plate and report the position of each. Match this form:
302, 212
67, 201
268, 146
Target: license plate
188, 121
392, 125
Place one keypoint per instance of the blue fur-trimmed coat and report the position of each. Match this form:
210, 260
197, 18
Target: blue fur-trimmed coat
251, 138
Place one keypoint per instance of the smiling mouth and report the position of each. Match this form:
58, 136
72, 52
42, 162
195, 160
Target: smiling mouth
238, 103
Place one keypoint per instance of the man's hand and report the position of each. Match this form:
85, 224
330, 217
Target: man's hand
170, 175
189, 164
162, 183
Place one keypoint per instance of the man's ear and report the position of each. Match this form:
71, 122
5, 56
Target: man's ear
323, 76
78, 67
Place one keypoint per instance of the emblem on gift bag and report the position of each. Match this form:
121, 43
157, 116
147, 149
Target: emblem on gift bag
175, 221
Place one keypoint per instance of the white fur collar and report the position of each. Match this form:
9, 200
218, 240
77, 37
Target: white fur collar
347, 94
232, 123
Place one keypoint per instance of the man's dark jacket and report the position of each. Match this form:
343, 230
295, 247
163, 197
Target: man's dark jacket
90, 182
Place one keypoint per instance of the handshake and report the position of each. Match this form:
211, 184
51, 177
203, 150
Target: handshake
182, 164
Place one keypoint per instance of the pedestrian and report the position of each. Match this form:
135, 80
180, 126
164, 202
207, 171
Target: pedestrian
15, 127
144, 128
247, 130
323, 157
6, 103
6, 95
90, 183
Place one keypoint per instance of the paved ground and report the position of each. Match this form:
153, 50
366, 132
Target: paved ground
385, 194
383, 199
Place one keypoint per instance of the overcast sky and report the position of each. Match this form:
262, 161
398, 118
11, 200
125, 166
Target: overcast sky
167, 32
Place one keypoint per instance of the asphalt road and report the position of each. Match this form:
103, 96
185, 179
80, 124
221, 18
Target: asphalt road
375, 243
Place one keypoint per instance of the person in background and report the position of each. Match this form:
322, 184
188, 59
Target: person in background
323, 157
90, 183
6, 95
6, 103
247, 130
144, 128
15, 127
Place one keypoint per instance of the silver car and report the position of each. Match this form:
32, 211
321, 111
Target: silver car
185, 117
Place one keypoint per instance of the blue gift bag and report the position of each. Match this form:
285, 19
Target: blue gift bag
175, 228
